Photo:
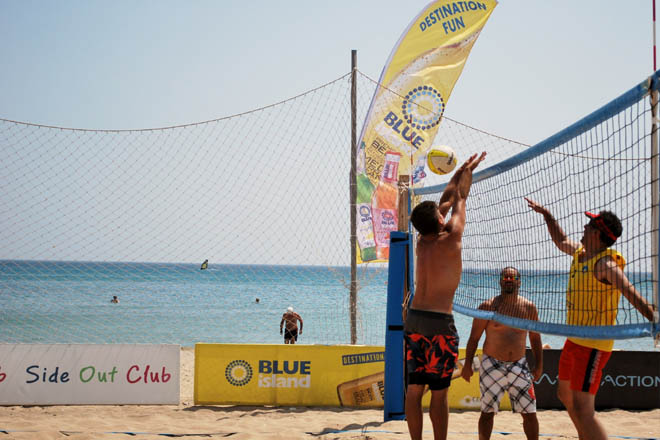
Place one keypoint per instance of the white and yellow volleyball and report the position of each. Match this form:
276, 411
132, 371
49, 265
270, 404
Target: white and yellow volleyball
441, 159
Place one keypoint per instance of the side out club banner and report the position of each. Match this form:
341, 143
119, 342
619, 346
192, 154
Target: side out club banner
406, 110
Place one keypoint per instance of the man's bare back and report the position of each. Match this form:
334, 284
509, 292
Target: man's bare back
429, 330
291, 320
438, 272
438, 252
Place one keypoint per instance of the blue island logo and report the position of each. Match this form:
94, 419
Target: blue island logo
238, 373
423, 107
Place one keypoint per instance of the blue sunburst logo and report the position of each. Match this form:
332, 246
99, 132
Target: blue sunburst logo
423, 107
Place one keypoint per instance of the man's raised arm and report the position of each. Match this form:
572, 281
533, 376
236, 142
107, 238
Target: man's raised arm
615, 276
449, 194
557, 234
457, 221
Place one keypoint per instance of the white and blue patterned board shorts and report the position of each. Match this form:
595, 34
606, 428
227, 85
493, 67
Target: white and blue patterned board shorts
496, 377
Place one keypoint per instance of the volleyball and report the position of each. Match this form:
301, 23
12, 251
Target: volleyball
441, 159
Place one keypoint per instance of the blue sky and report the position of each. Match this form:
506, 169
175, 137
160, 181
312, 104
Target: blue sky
128, 64
537, 66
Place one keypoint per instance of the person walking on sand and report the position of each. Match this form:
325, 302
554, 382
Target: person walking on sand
291, 318
429, 331
504, 365
595, 283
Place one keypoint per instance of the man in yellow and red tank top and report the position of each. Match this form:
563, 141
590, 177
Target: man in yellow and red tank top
596, 281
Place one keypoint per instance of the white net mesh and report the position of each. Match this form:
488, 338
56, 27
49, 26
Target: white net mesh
602, 163
264, 196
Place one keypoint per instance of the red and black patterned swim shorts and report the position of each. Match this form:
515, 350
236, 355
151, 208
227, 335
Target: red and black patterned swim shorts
431, 348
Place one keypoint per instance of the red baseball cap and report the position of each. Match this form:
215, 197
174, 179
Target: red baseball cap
600, 224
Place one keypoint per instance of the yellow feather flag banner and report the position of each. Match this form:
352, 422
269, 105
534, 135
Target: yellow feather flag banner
406, 111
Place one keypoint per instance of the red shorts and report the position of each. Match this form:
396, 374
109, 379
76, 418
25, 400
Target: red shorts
431, 348
583, 366
431, 360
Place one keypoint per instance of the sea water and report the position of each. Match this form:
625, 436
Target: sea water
69, 302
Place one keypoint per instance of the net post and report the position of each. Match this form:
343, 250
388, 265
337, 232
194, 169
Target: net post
395, 371
654, 51
402, 222
353, 198
655, 207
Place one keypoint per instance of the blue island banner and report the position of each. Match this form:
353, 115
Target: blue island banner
406, 110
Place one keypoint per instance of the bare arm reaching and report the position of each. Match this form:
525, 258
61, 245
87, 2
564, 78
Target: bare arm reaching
449, 194
457, 222
557, 234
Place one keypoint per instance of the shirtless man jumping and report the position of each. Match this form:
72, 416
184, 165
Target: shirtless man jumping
429, 330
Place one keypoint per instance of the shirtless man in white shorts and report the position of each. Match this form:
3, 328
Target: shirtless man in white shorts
503, 365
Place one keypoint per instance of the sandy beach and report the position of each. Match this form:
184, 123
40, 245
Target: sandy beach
248, 422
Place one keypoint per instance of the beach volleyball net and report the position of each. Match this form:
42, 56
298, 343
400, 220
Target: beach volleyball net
605, 161
89, 214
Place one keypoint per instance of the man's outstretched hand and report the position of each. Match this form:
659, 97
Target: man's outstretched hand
466, 174
471, 163
536, 207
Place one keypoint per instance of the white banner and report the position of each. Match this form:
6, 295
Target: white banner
87, 374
